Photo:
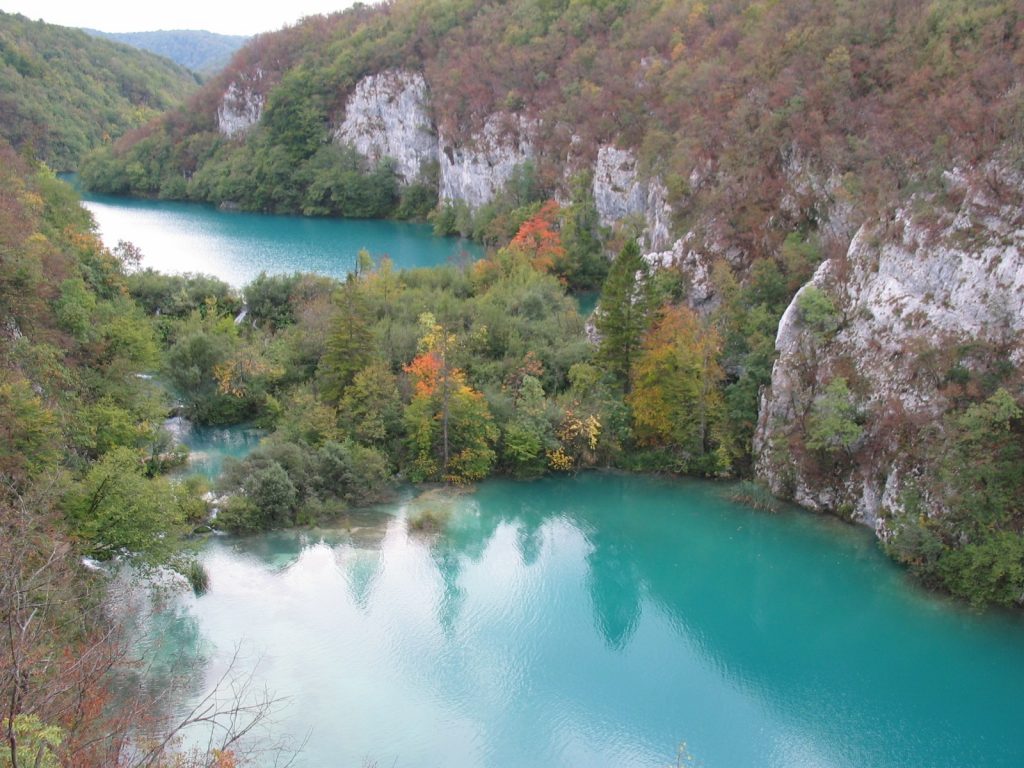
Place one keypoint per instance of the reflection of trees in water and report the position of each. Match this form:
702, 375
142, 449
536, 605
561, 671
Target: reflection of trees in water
614, 586
165, 655
449, 566
361, 568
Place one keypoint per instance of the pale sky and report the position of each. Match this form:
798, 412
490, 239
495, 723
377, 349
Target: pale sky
234, 18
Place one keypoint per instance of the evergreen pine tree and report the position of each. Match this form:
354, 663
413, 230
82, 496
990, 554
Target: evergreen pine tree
622, 314
349, 342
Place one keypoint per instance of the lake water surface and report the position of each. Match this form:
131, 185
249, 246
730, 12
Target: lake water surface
594, 621
604, 621
180, 237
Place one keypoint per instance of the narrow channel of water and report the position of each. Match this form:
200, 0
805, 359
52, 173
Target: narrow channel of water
209, 446
604, 621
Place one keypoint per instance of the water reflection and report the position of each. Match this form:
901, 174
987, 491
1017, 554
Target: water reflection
603, 620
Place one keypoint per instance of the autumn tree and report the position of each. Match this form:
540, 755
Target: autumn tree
676, 399
539, 241
449, 426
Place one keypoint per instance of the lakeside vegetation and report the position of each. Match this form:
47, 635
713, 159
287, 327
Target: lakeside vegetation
459, 373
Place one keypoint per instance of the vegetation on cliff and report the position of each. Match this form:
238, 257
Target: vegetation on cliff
83, 496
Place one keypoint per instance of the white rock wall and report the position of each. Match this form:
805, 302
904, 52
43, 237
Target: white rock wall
620, 192
903, 287
241, 106
474, 171
388, 116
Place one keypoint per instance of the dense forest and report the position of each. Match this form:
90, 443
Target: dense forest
774, 127
84, 493
63, 93
761, 119
202, 52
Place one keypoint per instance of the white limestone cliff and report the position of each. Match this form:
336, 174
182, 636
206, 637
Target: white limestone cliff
619, 192
475, 170
906, 288
241, 106
388, 115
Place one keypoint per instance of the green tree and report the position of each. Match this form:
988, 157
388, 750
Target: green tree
623, 312
372, 407
273, 494
528, 434
834, 425
29, 433
352, 472
581, 237
115, 510
349, 341
984, 464
818, 312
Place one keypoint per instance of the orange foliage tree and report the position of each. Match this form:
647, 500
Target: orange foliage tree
675, 396
538, 240
451, 431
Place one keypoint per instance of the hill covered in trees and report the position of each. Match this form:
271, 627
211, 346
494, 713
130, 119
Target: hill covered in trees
83, 487
756, 119
198, 50
853, 170
63, 92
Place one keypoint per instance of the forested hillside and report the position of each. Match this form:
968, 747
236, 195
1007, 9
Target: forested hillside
748, 147
63, 93
82, 475
198, 50
759, 119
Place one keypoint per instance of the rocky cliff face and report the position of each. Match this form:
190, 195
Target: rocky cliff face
909, 293
620, 191
473, 171
241, 106
388, 116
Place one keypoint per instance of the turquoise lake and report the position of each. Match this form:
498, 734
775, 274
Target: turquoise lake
191, 237
605, 620
601, 621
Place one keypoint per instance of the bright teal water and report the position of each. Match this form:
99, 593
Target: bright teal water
209, 446
190, 237
602, 621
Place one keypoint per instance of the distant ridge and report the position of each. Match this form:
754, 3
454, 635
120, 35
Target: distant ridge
63, 93
201, 51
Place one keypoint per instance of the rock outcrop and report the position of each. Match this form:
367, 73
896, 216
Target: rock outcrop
241, 106
695, 265
619, 191
388, 116
909, 290
475, 170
